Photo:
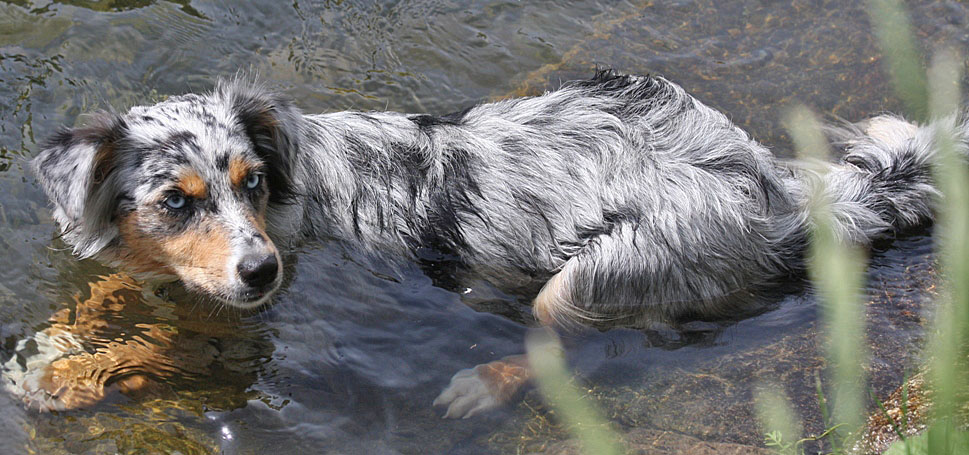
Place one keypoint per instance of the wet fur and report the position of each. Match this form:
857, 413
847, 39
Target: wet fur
651, 204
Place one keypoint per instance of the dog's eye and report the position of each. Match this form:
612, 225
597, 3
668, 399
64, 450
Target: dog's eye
176, 201
252, 181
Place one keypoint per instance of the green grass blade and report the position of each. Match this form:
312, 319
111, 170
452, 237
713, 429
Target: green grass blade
545, 356
777, 418
837, 271
948, 343
822, 400
898, 46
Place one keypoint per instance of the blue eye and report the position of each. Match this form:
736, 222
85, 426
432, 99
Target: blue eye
176, 201
252, 181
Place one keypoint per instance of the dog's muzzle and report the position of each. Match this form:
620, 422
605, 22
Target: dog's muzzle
258, 271
260, 275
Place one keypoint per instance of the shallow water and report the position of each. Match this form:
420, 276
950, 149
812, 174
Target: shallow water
353, 353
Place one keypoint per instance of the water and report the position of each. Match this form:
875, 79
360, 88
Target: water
353, 353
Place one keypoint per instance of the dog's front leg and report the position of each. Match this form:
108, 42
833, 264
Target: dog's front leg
612, 281
492, 384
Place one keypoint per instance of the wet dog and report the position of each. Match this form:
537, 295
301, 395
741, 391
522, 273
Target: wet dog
620, 199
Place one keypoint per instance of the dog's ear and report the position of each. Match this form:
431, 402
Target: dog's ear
77, 171
273, 125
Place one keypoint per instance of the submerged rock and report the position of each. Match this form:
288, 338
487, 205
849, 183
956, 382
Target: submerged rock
907, 411
908, 417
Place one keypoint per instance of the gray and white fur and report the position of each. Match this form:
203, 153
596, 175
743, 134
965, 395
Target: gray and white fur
639, 199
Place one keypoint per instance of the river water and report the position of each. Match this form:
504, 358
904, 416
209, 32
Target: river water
352, 354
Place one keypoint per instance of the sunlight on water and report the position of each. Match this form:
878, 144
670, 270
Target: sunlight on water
354, 352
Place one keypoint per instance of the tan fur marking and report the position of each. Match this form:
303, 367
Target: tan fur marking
504, 377
192, 185
552, 304
138, 252
103, 163
199, 256
259, 221
238, 170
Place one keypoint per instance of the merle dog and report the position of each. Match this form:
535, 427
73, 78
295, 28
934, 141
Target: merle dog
626, 199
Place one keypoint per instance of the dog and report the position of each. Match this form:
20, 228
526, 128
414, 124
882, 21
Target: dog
619, 199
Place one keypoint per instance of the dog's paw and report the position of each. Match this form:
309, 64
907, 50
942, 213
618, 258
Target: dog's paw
466, 395
483, 388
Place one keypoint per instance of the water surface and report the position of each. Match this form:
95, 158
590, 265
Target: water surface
353, 353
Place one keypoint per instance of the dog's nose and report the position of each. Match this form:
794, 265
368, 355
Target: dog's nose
257, 271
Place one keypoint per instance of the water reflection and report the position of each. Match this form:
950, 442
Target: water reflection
174, 357
103, 5
121, 338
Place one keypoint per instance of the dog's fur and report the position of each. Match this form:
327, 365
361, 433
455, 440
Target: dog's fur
628, 199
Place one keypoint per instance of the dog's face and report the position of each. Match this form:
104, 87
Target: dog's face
181, 189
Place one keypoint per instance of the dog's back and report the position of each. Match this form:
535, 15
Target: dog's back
648, 200
682, 205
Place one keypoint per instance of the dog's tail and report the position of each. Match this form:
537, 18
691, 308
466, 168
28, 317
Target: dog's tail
884, 183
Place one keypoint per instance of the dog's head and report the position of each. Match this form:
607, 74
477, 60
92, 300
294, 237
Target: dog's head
185, 188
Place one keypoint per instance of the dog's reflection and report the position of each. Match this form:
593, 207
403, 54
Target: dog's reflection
126, 339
